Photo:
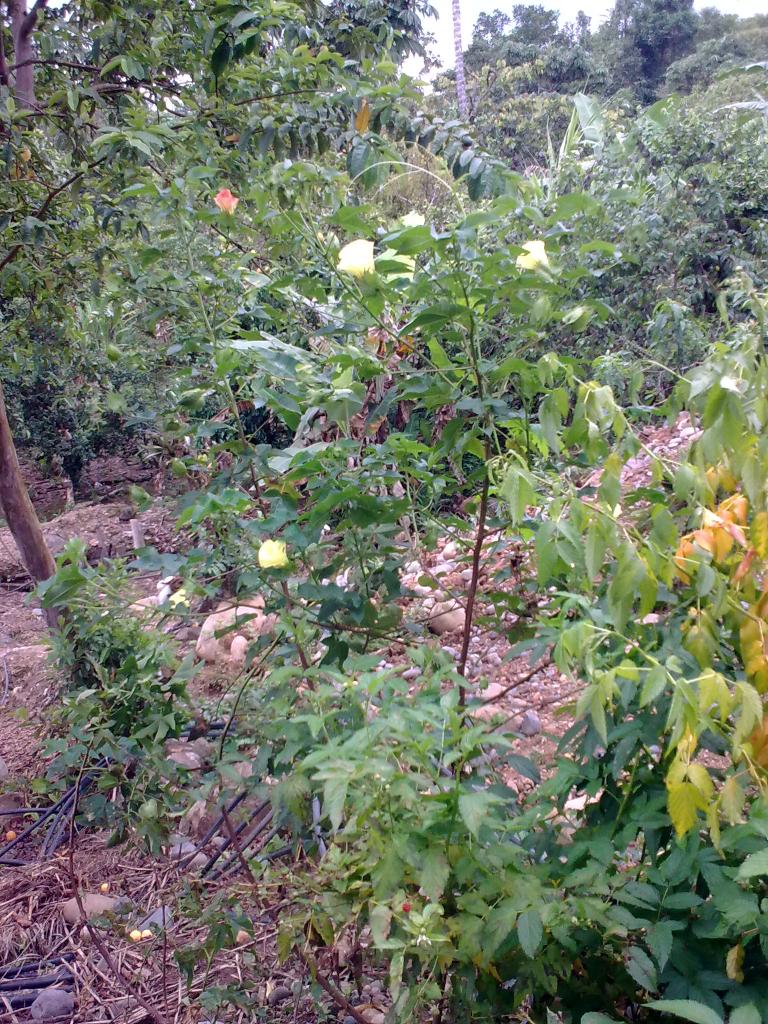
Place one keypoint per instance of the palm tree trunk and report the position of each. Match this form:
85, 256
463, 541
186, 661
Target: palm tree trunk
461, 82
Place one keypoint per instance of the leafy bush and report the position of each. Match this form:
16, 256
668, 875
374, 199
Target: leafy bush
125, 677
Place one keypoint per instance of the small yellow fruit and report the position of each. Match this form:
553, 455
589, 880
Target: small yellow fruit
242, 937
104, 887
147, 933
10, 835
135, 935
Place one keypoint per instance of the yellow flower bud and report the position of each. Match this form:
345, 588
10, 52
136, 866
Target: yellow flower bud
273, 554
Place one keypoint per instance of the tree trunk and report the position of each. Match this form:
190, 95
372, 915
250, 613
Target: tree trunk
22, 25
15, 502
461, 82
20, 513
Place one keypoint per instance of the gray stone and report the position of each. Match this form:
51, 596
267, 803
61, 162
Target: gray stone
411, 673
4, 772
10, 802
182, 849
53, 1003
162, 917
278, 995
529, 724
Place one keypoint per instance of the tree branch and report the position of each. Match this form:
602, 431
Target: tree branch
3, 66
40, 213
30, 19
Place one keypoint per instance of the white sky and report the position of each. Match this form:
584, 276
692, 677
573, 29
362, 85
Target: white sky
596, 9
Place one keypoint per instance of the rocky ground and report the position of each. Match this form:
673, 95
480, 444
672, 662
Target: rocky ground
105, 972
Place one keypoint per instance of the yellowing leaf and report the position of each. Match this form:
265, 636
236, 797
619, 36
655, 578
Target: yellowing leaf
683, 803
751, 711
714, 695
732, 800
759, 534
363, 117
734, 962
701, 779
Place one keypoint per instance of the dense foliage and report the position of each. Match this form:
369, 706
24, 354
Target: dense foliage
355, 328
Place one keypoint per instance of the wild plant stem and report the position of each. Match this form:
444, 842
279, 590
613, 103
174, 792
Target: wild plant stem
327, 986
477, 552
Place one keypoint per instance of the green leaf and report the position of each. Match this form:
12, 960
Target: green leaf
688, 1009
380, 920
474, 807
597, 1018
756, 864
594, 549
653, 685
659, 938
530, 932
642, 969
334, 797
220, 57
434, 873
747, 1014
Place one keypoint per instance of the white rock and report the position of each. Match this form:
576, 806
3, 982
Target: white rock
411, 673
93, 905
186, 758
238, 650
447, 617
249, 618
450, 550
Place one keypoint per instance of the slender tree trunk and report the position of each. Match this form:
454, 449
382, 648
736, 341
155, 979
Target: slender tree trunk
15, 502
20, 513
461, 82
22, 25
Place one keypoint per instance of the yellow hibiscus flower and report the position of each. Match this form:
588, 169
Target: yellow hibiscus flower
356, 258
534, 257
273, 554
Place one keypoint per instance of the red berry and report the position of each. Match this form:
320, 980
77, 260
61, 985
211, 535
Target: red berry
406, 908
